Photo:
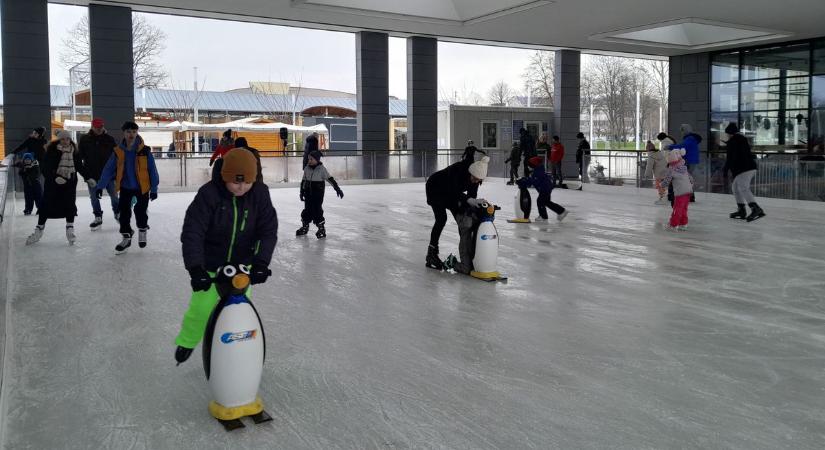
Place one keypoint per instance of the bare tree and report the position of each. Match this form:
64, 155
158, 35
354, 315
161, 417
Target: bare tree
612, 79
660, 73
500, 94
279, 99
466, 96
541, 74
147, 45
178, 104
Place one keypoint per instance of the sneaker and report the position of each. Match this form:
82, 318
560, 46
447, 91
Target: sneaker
98, 222
34, 237
660, 202
70, 234
562, 216
142, 237
124, 244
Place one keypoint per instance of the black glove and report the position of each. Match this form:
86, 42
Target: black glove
200, 279
153, 196
99, 194
301, 195
340, 193
259, 274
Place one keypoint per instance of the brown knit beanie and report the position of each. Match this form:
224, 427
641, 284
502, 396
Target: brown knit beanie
239, 164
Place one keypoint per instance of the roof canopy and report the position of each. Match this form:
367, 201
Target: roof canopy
236, 125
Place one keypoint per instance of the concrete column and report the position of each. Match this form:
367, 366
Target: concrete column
113, 88
26, 96
689, 94
566, 103
422, 103
372, 79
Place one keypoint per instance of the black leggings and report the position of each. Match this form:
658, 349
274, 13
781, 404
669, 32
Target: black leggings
440, 220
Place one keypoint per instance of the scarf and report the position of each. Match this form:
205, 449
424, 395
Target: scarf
65, 168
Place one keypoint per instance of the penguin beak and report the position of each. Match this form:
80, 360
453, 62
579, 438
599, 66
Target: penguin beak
490, 210
240, 281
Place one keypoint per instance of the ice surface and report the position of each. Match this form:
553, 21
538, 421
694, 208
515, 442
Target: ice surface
611, 333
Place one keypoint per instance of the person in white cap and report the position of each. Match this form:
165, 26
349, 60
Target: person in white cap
455, 188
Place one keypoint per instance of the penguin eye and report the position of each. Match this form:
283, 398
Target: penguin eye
229, 271
244, 268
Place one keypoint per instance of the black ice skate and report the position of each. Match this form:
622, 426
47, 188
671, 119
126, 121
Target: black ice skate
124, 244
433, 262
740, 213
303, 230
322, 232
756, 213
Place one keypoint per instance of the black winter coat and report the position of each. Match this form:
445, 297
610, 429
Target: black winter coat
35, 146
451, 187
581, 150
739, 157
58, 199
515, 157
528, 146
95, 152
220, 228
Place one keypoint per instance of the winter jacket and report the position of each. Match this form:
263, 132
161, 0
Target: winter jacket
450, 187
664, 144
544, 147
131, 168
223, 147
219, 227
691, 145
527, 145
30, 174
95, 151
314, 179
310, 145
216, 169
581, 150
515, 157
59, 199
35, 146
739, 157
470, 152
656, 166
538, 179
556, 152
677, 174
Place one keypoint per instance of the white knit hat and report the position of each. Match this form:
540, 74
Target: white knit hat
478, 169
675, 155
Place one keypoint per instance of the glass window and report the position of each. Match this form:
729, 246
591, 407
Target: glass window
818, 131
761, 127
725, 67
489, 134
818, 100
769, 62
763, 94
796, 127
796, 93
724, 97
718, 122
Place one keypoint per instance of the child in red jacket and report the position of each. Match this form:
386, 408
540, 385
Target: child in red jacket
556, 157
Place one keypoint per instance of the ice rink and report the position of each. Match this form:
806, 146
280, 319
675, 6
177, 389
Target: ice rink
611, 333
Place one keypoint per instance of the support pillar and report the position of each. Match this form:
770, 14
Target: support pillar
567, 109
372, 79
26, 93
422, 104
113, 86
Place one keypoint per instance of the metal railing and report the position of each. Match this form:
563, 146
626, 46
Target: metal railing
796, 176
6, 184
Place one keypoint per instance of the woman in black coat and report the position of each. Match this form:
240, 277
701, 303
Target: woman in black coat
61, 166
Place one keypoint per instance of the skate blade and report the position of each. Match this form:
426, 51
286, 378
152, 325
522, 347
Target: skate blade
261, 417
755, 218
231, 425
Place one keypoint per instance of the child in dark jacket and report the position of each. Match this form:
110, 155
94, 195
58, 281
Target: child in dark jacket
30, 173
312, 194
515, 161
544, 185
231, 220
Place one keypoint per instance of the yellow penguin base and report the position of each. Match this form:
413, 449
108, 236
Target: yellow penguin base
518, 220
485, 275
221, 412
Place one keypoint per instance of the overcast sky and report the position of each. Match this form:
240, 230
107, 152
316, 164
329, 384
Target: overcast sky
230, 54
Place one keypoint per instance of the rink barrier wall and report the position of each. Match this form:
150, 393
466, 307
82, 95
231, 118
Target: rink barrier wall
7, 183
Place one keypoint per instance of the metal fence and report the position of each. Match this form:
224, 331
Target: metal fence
779, 175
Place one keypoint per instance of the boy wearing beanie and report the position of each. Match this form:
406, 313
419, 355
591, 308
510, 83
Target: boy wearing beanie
30, 173
132, 166
544, 185
230, 220
455, 189
312, 194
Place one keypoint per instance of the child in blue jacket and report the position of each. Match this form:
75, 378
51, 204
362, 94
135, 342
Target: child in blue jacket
543, 183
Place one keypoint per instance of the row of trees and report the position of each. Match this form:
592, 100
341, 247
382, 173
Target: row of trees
608, 83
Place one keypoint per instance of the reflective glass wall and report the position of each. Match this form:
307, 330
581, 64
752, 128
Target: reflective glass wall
775, 93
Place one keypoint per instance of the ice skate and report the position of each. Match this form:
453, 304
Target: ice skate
124, 244
561, 216
432, 259
70, 234
756, 213
322, 232
303, 230
98, 222
660, 202
142, 237
740, 213
34, 237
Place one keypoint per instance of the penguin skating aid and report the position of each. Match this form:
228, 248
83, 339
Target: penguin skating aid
486, 250
522, 203
234, 348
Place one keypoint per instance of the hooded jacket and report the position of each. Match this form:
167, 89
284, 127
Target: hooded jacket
144, 170
219, 227
739, 158
690, 143
656, 164
538, 179
450, 187
678, 175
